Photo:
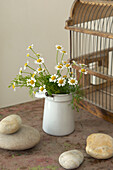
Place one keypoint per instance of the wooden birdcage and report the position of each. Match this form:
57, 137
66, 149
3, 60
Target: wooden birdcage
91, 42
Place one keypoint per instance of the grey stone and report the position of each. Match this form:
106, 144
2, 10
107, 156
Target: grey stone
10, 124
71, 159
26, 137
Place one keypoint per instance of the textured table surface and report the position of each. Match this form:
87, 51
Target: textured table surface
44, 156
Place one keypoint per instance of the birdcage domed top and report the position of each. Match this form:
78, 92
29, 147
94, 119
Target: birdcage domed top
89, 15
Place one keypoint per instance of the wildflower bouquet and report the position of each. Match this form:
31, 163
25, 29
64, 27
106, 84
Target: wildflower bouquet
40, 81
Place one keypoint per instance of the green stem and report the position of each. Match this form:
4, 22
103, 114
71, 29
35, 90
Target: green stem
57, 58
26, 72
46, 68
31, 68
80, 77
58, 73
32, 57
40, 81
62, 57
33, 51
67, 71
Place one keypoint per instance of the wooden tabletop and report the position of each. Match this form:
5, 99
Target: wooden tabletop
45, 154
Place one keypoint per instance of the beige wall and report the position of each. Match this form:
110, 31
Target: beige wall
23, 22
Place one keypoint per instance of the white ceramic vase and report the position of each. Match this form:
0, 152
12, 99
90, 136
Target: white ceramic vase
58, 117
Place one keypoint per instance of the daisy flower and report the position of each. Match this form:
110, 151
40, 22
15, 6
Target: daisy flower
63, 52
13, 86
31, 82
20, 71
42, 89
39, 70
64, 62
83, 70
53, 78
72, 81
71, 72
28, 82
34, 74
29, 47
40, 60
28, 55
37, 54
59, 67
64, 76
74, 62
59, 47
61, 81
39, 94
34, 92
83, 65
60, 64
68, 65
25, 65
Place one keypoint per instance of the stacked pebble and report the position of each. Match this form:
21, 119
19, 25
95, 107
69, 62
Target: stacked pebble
16, 136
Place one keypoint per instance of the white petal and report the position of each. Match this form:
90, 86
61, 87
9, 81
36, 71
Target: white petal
40, 95
35, 62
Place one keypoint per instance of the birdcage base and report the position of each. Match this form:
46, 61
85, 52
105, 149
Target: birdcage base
96, 110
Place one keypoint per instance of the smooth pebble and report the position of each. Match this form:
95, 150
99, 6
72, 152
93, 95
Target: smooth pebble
100, 146
71, 159
10, 124
26, 137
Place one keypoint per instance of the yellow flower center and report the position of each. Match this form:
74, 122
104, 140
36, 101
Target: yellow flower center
39, 69
72, 81
59, 47
71, 72
59, 66
82, 70
64, 51
64, 76
64, 62
42, 88
13, 86
67, 65
53, 77
25, 64
32, 81
39, 60
38, 55
61, 81
29, 46
33, 75
28, 55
